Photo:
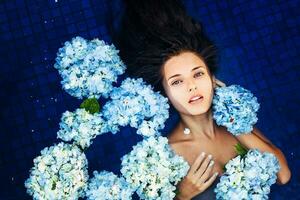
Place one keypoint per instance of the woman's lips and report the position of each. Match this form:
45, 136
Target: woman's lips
196, 99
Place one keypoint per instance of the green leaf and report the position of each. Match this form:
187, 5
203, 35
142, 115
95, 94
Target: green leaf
240, 149
90, 105
53, 185
224, 168
176, 192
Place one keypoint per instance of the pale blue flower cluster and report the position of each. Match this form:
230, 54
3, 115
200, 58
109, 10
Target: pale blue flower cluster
60, 172
235, 108
249, 177
88, 68
153, 169
80, 126
106, 185
136, 104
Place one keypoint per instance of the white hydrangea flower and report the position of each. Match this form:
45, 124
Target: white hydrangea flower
106, 185
88, 68
80, 126
134, 103
249, 177
60, 172
153, 169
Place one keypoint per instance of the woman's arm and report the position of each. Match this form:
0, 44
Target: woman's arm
257, 140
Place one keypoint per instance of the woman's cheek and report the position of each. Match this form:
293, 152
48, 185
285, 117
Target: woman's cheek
179, 92
176, 95
205, 86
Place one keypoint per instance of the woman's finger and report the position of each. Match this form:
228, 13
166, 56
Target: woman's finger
197, 163
206, 184
203, 167
207, 172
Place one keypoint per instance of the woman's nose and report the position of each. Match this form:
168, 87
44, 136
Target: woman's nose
192, 87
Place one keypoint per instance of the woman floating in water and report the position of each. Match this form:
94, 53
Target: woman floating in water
160, 43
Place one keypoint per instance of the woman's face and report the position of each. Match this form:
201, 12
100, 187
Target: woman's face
188, 84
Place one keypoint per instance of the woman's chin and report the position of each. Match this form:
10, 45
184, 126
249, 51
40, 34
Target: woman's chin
197, 109
195, 113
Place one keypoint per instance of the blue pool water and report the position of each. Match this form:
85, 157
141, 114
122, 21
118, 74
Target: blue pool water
259, 45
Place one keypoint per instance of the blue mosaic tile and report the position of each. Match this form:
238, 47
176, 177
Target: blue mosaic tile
259, 49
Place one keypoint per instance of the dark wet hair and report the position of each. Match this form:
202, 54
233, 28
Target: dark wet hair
152, 31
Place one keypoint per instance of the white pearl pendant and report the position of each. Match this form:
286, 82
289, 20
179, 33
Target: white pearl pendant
186, 131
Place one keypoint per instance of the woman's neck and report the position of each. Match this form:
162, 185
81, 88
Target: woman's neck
200, 125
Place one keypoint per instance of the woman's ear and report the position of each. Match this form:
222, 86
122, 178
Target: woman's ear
214, 81
219, 83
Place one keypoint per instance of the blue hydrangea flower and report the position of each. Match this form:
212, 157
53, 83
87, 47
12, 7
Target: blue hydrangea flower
60, 172
107, 186
264, 163
235, 108
134, 103
153, 169
249, 177
80, 126
88, 68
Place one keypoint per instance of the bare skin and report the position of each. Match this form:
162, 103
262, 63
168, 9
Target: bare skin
190, 148
189, 86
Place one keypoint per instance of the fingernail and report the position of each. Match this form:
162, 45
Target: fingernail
203, 154
209, 156
211, 163
216, 174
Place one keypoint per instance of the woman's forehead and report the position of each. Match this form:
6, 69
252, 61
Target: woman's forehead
182, 63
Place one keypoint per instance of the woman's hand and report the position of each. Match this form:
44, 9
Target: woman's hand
198, 179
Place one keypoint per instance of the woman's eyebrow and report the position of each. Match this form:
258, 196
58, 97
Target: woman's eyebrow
197, 68
191, 71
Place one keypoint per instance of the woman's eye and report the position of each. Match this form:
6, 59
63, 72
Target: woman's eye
175, 82
199, 74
